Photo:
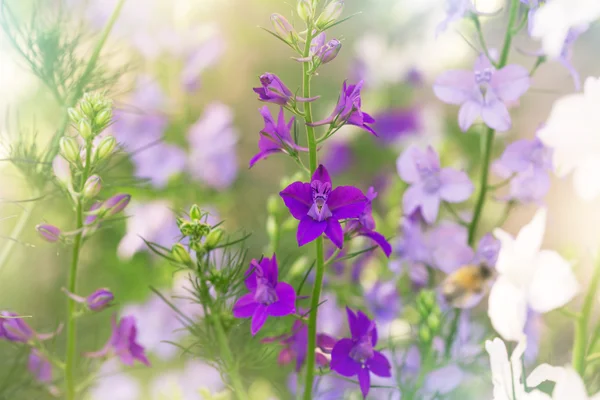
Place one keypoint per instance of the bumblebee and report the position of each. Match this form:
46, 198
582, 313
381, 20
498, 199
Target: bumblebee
466, 286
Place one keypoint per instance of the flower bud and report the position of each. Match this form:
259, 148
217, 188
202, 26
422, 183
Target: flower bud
329, 51
213, 238
49, 233
103, 118
272, 228
185, 227
305, 10
195, 213
180, 254
425, 334
433, 322
85, 128
14, 328
100, 299
92, 187
282, 27
69, 149
330, 14
74, 115
116, 204
62, 170
105, 147
86, 106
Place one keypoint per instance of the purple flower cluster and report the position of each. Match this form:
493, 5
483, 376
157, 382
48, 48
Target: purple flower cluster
123, 343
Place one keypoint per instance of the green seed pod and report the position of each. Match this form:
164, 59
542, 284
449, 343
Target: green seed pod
180, 254
213, 238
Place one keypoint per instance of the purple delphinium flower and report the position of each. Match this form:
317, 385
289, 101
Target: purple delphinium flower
97, 301
348, 110
322, 50
212, 159
430, 184
273, 90
158, 163
267, 297
455, 10
14, 329
365, 225
49, 233
396, 123
39, 367
338, 157
123, 343
275, 137
383, 300
356, 355
483, 92
530, 161
319, 208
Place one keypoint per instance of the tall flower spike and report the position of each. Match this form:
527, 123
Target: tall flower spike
320, 209
267, 297
483, 92
348, 110
123, 343
430, 184
275, 137
273, 90
356, 355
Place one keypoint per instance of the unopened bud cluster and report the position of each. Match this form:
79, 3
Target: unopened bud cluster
430, 316
202, 237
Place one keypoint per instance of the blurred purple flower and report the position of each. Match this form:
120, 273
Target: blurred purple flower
348, 110
356, 355
275, 137
49, 233
115, 204
365, 225
273, 90
319, 208
338, 157
159, 163
383, 300
123, 343
113, 384
530, 161
14, 329
154, 222
39, 367
455, 10
267, 297
396, 123
212, 138
203, 57
430, 184
483, 92
97, 301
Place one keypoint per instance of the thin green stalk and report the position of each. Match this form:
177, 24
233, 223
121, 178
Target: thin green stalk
483, 186
581, 325
16, 231
316, 294
453, 330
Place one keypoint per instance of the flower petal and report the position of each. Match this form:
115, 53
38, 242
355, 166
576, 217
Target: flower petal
411, 200
468, 113
456, 185
341, 362
298, 199
507, 309
364, 380
379, 239
570, 386
529, 240
286, 300
511, 82
455, 87
585, 179
430, 205
258, 319
379, 365
553, 284
406, 164
346, 202
544, 372
309, 230
495, 114
245, 306
334, 232
321, 174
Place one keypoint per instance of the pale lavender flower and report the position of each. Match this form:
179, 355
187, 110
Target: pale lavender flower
429, 183
115, 204
483, 92
530, 161
212, 159
159, 163
455, 10
39, 366
383, 300
206, 55
49, 233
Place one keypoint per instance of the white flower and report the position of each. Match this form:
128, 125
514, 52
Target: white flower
569, 385
528, 278
552, 21
572, 131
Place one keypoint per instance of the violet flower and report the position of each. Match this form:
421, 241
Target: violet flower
348, 110
320, 209
123, 343
14, 329
338, 157
275, 137
273, 90
483, 92
383, 300
429, 183
39, 367
455, 10
396, 123
116, 204
356, 355
49, 233
97, 301
267, 297
323, 51
365, 225
530, 161
159, 163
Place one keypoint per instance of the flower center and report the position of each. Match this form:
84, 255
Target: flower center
362, 350
484, 76
265, 293
320, 192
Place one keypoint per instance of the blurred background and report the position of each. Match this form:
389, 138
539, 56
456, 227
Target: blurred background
182, 73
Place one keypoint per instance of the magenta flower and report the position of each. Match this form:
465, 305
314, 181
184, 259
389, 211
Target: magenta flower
320, 209
275, 137
39, 367
267, 297
356, 355
348, 110
123, 343
483, 92
97, 301
430, 184
365, 225
273, 90
14, 329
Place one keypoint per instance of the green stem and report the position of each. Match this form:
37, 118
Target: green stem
16, 231
581, 325
316, 294
452, 335
483, 186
